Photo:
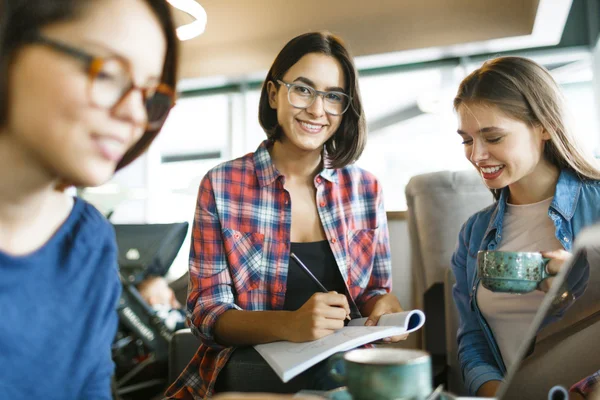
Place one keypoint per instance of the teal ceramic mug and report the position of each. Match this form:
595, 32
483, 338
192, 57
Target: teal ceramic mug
511, 271
383, 374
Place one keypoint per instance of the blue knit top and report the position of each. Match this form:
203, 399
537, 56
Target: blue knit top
58, 313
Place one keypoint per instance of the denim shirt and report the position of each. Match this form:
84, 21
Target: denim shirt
576, 204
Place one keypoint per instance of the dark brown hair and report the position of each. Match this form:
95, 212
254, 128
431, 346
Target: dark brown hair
525, 91
348, 142
19, 19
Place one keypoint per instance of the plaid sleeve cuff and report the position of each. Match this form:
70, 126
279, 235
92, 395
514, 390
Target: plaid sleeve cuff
206, 329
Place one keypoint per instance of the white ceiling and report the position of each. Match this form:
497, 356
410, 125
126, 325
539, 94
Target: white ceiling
243, 37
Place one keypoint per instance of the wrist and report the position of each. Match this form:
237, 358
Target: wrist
367, 307
280, 326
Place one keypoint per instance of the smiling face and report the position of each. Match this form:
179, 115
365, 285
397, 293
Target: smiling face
505, 151
308, 129
51, 120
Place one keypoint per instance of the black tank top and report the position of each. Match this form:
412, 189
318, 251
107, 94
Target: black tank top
319, 259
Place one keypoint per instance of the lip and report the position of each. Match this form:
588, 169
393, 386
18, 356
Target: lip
300, 124
105, 146
492, 176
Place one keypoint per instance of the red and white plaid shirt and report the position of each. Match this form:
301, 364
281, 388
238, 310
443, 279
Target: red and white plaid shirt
240, 249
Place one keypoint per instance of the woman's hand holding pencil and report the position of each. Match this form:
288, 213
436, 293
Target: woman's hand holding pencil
321, 315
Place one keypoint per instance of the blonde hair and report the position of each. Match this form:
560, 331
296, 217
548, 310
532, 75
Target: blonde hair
526, 91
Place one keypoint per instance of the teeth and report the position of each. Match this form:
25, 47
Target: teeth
311, 127
113, 145
492, 169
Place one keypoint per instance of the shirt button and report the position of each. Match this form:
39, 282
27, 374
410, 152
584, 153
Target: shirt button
322, 204
318, 179
334, 240
287, 201
566, 239
237, 236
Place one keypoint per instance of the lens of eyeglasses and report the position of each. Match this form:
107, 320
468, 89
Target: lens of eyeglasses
158, 105
110, 83
334, 103
113, 81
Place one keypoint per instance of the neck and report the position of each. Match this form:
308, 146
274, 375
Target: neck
295, 164
27, 189
535, 187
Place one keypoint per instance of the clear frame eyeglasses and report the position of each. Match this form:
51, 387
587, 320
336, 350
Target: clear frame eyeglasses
110, 81
303, 96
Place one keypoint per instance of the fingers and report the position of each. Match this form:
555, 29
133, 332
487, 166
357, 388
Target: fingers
558, 253
333, 312
337, 300
385, 304
557, 260
546, 284
332, 299
327, 310
395, 339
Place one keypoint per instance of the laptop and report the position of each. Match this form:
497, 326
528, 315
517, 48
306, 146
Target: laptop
562, 353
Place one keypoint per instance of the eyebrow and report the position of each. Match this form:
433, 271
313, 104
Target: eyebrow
487, 129
111, 52
311, 83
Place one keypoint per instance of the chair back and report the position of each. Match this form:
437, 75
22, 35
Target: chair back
439, 204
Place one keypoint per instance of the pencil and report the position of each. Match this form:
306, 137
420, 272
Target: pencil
312, 277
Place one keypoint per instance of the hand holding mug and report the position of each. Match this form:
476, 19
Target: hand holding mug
558, 258
511, 271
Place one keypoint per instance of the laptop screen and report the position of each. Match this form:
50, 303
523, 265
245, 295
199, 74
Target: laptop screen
562, 345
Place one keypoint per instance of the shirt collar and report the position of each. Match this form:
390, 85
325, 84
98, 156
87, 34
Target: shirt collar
263, 165
564, 202
567, 193
267, 173
498, 214
330, 174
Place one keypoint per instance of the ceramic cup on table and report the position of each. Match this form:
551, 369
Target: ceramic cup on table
383, 373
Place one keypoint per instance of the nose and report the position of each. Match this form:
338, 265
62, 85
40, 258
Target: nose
479, 151
317, 108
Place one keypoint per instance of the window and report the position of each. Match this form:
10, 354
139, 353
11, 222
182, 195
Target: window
412, 128
197, 133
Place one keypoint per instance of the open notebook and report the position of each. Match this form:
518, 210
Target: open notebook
289, 359
566, 351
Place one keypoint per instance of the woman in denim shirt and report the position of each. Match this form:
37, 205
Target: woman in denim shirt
511, 120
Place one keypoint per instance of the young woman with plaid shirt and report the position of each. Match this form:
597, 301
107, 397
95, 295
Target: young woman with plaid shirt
298, 192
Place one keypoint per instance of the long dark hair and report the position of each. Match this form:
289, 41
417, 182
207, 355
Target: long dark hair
19, 19
348, 142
